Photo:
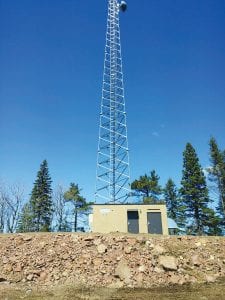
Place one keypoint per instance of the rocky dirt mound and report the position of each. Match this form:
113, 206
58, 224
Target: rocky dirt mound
113, 260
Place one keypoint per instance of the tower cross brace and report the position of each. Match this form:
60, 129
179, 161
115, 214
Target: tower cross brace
113, 174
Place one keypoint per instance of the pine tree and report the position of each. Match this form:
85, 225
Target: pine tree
217, 173
194, 191
148, 187
175, 207
79, 203
41, 200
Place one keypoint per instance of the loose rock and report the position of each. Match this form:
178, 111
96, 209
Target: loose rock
127, 250
123, 271
168, 262
110, 259
101, 248
196, 260
158, 250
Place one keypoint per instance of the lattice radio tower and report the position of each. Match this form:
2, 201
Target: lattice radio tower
113, 174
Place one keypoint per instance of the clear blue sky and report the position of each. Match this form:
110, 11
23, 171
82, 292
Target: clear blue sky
51, 62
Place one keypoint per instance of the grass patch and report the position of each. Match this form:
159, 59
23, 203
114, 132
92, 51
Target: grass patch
215, 291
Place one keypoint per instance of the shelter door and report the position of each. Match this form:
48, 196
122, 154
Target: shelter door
133, 221
154, 222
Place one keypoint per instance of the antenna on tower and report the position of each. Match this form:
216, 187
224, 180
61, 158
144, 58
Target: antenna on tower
123, 6
113, 171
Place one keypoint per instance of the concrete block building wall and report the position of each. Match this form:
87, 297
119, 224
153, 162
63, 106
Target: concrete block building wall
108, 218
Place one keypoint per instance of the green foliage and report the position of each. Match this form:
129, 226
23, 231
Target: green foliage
80, 205
175, 206
212, 222
25, 223
194, 191
148, 187
217, 173
41, 200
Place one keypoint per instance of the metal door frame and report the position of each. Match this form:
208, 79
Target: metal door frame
149, 223
130, 210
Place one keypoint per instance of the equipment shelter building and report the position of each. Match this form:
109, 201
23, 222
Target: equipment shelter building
131, 218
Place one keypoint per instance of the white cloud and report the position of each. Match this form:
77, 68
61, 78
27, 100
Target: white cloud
155, 133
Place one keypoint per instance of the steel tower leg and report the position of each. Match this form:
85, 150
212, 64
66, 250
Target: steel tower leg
113, 174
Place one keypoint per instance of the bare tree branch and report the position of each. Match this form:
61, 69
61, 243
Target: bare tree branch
11, 199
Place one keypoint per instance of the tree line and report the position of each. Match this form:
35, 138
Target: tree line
46, 210
198, 205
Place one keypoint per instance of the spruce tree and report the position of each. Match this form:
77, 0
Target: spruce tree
175, 207
194, 191
41, 200
148, 187
217, 173
25, 223
212, 222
